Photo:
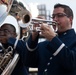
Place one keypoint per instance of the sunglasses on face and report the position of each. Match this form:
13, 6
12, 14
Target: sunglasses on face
59, 15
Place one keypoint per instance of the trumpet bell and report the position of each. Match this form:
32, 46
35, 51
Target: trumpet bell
21, 11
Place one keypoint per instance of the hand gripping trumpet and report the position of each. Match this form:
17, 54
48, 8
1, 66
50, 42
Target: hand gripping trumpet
39, 21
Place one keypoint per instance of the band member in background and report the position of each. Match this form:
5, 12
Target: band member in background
8, 38
56, 55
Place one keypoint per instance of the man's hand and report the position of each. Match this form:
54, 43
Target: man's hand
35, 33
47, 32
38, 26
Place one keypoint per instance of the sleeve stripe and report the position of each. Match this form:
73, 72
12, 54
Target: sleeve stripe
59, 49
15, 44
30, 48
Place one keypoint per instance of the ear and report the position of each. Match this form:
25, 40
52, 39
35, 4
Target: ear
71, 19
15, 35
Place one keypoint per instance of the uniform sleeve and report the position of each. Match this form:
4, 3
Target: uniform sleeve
32, 58
66, 55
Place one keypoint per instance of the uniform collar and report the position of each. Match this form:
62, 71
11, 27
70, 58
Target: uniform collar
70, 31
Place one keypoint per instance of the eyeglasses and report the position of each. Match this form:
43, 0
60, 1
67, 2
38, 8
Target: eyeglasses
59, 15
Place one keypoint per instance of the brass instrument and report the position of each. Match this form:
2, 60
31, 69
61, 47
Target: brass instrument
8, 60
39, 21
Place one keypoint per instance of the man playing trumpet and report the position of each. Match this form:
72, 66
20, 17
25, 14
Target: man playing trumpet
56, 55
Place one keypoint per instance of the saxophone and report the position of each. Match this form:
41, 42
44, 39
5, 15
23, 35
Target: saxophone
8, 60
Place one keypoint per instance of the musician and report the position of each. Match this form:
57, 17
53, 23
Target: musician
7, 38
56, 55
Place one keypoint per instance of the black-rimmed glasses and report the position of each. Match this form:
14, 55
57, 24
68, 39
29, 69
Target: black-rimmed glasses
59, 15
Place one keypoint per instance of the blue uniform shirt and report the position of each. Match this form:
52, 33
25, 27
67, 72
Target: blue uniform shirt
56, 57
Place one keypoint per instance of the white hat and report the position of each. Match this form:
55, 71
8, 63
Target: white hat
12, 20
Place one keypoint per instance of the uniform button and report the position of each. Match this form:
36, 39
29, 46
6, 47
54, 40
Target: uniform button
65, 33
45, 70
50, 58
1, 50
48, 64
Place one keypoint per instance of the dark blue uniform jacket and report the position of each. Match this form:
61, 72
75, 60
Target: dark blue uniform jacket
20, 68
64, 63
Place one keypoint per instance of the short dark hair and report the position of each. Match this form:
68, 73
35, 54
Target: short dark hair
14, 29
67, 9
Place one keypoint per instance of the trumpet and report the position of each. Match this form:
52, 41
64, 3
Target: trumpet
39, 21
